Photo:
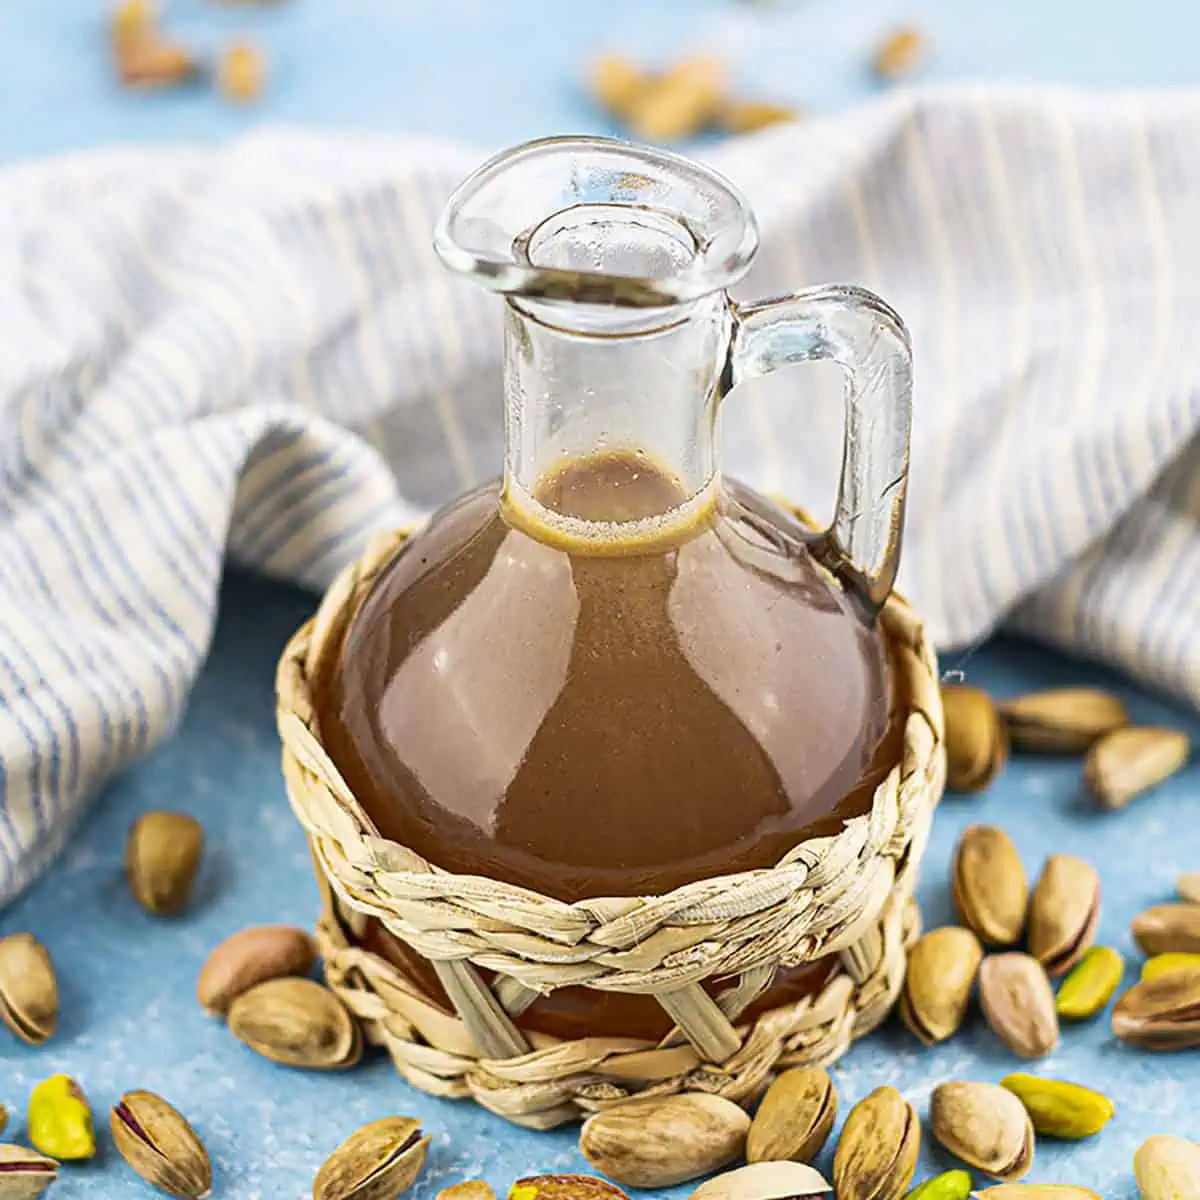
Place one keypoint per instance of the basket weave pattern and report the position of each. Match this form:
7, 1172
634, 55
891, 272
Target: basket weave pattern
848, 895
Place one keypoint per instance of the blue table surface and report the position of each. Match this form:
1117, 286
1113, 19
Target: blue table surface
494, 74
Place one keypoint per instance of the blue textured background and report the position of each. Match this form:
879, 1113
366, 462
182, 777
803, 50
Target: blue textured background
495, 73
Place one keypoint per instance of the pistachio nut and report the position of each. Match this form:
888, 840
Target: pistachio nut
59, 1120
1092, 983
991, 891
565, 1187
250, 957
1162, 1013
1127, 762
298, 1023
1164, 964
1063, 912
1015, 995
162, 856
976, 742
1062, 720
159, 1145
1037, 1191
1168, 929
377, 1162
984, 1125
949, 1185
766, 1181
1188, 887
1167, 1168
25, 1174
28, 988
876, 1155
469, 1189
1059, 1109
795, 1117
937, 985
665, 1140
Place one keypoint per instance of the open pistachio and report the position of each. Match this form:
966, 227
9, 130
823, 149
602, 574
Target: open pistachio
1161, 1013
159, 1144
1127, 762
1060, 1109
662, 1141
1168, 929
377, 1162
976, 743
59, 1119
766, 1181
984, 1125
28, 988
1063, 912
298, 1023
1092, 983
250, 957
1015, 995
162, 855
795, 1117
25, 1174
991, 891
1062, 720
1167, 1168
937, 986
876, 1155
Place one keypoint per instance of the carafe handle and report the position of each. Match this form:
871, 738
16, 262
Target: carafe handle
863, 335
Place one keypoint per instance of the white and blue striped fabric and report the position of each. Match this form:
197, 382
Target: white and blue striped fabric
252, 351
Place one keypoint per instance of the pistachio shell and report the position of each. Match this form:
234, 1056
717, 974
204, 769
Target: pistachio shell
1167, 1168
1091, 984
162, 855
1037, 1191
380, 1161
470, 1189
1162, 1013
25, 1174
298, 1023
991, 891
1062, 720
795, 1117
1017, 1003
1127, 762
250, 957
976, 742
1188, 887
1168, 929
1164, 964
59, 1120
1063, 912
659, 1142
565, 1187
766, 1181
984, 1125
1060, 1109
28, 988
158, 1143
876, 1155
937, 986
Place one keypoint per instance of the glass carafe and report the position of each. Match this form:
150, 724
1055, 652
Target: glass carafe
614, 671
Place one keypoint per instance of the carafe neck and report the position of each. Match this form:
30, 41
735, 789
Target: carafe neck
576, 388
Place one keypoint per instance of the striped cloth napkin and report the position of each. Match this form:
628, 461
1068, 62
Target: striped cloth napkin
252, 351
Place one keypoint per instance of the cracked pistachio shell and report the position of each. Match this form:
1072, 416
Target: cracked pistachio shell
985, 1126
1168, 929
659, 1142
991, 891
469, 1189
976, 741
1064, 912
766, 1181
1161, 1013
1062, 720
1037, 1191
1127, 762
1188, 887
159, 1145
250, 957
25, 1174
298, 1023
28, 988
1167, 1168
937, 985
380, 1161
795, 1117
565, 1187
876, 1155
1018, 1004
162, 856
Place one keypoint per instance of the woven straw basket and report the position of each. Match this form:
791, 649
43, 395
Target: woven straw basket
849, 895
